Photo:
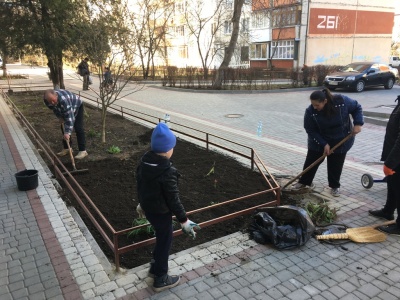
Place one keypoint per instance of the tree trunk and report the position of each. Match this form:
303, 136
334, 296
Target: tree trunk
237, 11
56, 72
103, 123
4, 65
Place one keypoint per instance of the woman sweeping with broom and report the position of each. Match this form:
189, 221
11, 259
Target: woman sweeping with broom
327, 122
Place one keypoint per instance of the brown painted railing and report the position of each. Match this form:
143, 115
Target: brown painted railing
97, 218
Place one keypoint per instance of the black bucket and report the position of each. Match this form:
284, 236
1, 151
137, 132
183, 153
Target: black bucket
27, 180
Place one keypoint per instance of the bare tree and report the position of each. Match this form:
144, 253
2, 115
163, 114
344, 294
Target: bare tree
108, 43
237, 11
149, 23
204, 27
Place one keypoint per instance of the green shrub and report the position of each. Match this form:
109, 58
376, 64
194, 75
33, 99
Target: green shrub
114, 150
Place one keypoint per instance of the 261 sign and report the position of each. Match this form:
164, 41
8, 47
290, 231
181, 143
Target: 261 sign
328, 22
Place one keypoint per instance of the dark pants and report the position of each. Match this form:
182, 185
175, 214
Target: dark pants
335, 167
393, 195
79, 130
85, 82
162, 224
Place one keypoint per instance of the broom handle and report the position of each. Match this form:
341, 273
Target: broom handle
317, 161
333, 236
383, 224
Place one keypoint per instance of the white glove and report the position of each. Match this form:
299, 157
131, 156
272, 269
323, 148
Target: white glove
140, 211
188, 228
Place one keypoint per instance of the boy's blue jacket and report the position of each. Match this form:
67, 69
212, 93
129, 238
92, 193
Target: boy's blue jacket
157, 186
323, 130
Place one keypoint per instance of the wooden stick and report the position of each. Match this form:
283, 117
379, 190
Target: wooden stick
317, 161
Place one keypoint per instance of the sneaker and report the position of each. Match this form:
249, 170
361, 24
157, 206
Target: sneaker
151, 269
335, 192
81, 154
390, 229
63, 152
381, 214
299, 186
165, 282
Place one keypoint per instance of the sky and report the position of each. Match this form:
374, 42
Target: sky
396, 28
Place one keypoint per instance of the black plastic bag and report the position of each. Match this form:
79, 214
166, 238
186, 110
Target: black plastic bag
283, 226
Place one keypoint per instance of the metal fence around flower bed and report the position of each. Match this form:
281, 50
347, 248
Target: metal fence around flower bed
210, 141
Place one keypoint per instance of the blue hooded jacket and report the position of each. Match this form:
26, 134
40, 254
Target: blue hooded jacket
323, 129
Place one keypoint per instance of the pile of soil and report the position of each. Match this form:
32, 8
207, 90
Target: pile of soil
111, 184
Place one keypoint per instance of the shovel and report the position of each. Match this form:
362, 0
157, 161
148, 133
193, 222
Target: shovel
317, 161
75, 170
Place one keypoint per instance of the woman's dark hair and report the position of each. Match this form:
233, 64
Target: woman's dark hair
320, 96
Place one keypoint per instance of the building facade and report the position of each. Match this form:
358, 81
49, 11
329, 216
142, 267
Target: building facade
281, 33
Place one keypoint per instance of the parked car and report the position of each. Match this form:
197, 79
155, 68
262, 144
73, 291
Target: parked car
358, 75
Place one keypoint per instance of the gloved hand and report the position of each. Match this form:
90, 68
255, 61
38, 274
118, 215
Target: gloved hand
388, 171
188, 228
140, 211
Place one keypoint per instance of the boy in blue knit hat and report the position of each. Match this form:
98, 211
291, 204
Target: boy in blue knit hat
157, 185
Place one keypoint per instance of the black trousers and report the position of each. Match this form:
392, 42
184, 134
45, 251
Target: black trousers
162, 224
79, 130
393, 195
85, 82
335, 167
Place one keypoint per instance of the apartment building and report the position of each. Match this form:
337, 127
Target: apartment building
282, 33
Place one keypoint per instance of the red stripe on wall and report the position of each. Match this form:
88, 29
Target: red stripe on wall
325, 21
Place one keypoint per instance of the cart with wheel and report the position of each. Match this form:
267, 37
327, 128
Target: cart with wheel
367, 181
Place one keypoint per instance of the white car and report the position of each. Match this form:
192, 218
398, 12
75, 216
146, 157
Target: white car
395, 71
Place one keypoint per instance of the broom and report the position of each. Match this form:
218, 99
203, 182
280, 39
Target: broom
366, 234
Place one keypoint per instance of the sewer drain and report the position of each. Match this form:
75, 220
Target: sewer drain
234, 115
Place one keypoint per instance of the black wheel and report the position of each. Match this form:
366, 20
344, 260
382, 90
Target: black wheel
367, 181
360, 86
389, 84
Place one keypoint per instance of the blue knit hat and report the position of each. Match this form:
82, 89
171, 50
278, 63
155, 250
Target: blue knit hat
162, 139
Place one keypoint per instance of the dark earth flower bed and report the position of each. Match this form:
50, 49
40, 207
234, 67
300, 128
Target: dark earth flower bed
110, 181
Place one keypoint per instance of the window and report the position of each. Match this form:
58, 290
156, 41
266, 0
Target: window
283, 49
258, 51
244, 53
245, 25
259, 20
284, 17
182, 52
180, 30
180, 7
229, 4
227, 27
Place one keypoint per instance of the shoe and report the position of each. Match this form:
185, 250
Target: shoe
299, 186
63, 152
81, 154
165, 282
381, 214
390, 229
335, 192
151, 269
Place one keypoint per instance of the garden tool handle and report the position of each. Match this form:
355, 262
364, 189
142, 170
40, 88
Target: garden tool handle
69, 150
317, 161
333, 236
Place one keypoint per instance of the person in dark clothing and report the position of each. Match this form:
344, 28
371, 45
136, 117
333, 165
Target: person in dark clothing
69, 109
327, 121
83, 68
157, 186
108, 81
391, 169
